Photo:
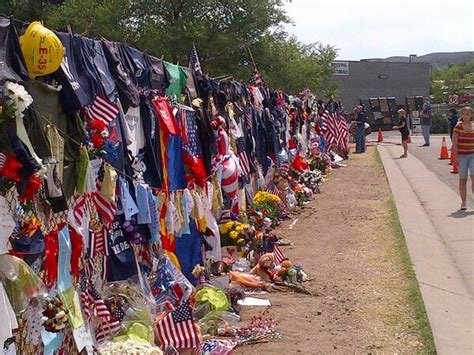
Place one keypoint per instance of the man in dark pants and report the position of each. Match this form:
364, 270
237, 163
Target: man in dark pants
360, 130
425, 115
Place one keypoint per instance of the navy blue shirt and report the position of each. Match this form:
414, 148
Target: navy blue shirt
361, 118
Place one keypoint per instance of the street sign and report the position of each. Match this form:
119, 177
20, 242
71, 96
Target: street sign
454, 99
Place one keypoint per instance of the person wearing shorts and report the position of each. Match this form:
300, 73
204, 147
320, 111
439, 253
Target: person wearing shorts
403, 128
463, 146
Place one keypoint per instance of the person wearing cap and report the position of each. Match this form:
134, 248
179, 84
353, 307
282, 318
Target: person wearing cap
426, 119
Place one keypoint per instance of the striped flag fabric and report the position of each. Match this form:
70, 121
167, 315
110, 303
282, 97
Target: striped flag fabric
178, 329
334, 129
79, 209
102, 109
225, 217
255, 78
278, 254
98, 243
244, 161
109, 325
85, 297
194, 62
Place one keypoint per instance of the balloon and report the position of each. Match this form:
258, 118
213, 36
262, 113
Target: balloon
230, 181
222, 142
42, 50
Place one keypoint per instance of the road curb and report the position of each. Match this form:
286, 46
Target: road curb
448, 302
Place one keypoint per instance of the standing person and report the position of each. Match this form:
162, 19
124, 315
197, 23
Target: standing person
453, 121
425, 115
360, 129
403, 128
463, 146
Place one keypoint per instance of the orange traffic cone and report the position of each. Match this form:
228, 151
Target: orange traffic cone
444, 150
453, 155
409, 139
455, 168
380, 136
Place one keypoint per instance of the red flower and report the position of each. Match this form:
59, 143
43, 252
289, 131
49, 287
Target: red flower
97, 140
11, 168
97, 125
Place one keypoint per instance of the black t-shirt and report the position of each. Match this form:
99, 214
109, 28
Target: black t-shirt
119, 64
404, 130
77, 87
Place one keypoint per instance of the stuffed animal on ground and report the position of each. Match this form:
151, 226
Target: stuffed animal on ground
266, 263
287, 273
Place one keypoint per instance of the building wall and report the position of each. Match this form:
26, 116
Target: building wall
398, 80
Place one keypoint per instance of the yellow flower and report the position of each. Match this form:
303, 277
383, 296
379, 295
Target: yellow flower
234, 235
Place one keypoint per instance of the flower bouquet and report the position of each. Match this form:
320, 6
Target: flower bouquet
311, 179
234, 233
17, 100
268, 204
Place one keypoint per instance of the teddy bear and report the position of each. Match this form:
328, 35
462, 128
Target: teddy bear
266, 263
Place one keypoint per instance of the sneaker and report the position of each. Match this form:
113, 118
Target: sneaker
463, 206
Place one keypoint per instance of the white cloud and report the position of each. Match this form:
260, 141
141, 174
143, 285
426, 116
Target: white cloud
372, 29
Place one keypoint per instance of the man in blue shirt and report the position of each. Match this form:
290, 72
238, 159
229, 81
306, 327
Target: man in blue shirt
360, 130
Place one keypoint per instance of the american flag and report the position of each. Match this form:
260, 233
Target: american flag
109, 324
102, 109
194, 63
98, 243
177, 328
242, 154
334, 129
255, 78
79, 209
278, 254
192, 145
105, 207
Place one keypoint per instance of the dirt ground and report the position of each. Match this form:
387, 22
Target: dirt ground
345, 241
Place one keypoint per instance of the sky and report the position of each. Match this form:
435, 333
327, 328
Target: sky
378, 29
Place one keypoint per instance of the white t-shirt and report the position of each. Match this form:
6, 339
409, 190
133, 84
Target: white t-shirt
135, 127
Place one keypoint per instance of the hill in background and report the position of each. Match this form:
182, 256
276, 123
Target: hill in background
438, 60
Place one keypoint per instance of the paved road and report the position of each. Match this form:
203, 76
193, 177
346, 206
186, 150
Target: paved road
429, 156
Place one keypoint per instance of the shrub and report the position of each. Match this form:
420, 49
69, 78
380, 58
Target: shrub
439, 124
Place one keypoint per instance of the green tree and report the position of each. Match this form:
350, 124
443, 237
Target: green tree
222, 30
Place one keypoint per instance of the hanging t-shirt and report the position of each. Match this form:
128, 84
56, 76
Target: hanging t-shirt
188, 251
122, 264
77, 90
135, 127
128, 91
157, 74
190, 84
177, 78
94, 55
12, 67
140, 69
